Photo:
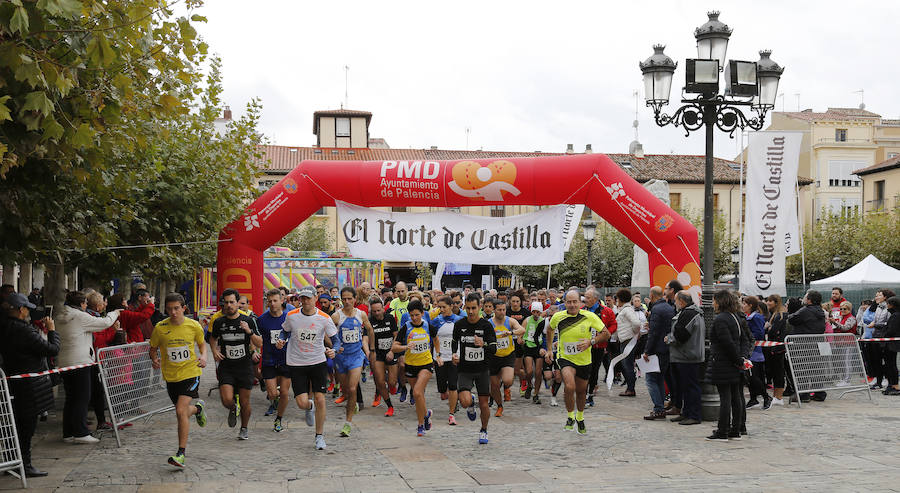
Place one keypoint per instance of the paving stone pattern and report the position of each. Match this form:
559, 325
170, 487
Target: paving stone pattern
847, 444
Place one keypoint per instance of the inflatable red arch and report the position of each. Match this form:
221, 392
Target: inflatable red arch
594, 180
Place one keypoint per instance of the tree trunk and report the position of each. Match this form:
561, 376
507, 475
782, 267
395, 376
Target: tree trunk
54, 286
9, 274
25, 272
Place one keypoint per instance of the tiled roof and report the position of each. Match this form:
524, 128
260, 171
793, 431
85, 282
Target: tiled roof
831, 114
885, 165
339, 112
673, 168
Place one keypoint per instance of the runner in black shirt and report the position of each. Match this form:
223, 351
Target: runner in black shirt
232, 337
473, 341
385, 329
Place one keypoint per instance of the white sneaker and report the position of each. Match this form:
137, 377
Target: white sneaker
85, 439
553, 402
777, 402
68, 439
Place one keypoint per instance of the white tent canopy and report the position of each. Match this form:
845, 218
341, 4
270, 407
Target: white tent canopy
869, 272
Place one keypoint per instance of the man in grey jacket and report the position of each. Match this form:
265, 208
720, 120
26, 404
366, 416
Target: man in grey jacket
686, 353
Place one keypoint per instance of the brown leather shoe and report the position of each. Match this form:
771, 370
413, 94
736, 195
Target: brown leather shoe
655, 415
627, 393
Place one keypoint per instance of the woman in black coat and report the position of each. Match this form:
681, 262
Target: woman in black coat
893, 347
24, 351
725, 365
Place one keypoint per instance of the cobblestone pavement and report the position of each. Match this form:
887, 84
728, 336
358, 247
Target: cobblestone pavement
844, 444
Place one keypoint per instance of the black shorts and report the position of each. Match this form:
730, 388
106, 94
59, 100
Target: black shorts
187, 387
239, 377
498, 362
270, 372
481, 380
533, 352
582, 372
382, 356
309, 377
446, 377
520, 351
413, 371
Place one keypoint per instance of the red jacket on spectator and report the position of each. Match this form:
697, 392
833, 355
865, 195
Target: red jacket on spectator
608, 317
132, 322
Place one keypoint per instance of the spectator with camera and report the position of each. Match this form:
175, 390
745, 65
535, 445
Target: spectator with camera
25, 350
76, 328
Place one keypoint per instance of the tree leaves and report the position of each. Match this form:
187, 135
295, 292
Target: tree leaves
18, 23
60, 8
38, 101
4, 110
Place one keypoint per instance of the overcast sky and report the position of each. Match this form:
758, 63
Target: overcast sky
526, 76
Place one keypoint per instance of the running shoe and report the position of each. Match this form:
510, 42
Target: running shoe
389, 412
528, 393
331, 387
277, 427
570, 424
345, 430
311, 414
320, 442
273, 407
483, 438
753, 404
451, 420
428, 419
177, 460
412, 400
377, 401
553, 401
718, 437
356, 409
506, 394
403, 393
777, 402
340, 400
393, 390
363, 373
201, 413
233, 414
590, 401
582, 430
499, 413
767, 404
420, 431
536, 399
243, 435
470, 412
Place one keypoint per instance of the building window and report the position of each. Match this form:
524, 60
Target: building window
342, 127
715, 201
321, 212
840, 173
265, 185
675, 201
892, 155
398, 209
455, 210
840, 135
844, 207
878, 202
498, 211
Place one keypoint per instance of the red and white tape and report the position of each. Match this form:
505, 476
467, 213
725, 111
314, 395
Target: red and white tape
55, 370
880, 339
768, 343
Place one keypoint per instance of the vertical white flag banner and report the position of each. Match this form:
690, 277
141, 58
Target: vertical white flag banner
570, 224
771, 211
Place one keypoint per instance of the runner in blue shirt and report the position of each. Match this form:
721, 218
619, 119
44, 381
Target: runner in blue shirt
275, 372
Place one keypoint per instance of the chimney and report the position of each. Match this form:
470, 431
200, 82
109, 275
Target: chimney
434, 148
587, 149
227, 113
570, 148
636, 149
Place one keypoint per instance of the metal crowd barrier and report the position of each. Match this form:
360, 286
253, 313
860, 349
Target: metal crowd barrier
11, 458
134, 390
821, 362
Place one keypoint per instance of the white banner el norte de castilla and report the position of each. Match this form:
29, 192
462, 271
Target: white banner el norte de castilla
771, 228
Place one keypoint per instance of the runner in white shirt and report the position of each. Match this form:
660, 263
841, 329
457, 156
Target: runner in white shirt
305, 330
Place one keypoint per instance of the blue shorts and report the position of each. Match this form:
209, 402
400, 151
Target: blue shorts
345, 362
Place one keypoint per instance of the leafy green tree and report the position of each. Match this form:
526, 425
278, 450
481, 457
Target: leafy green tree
107, 138
851, 237
311, 236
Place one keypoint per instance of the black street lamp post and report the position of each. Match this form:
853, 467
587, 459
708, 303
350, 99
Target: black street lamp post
588, 227
752, 85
